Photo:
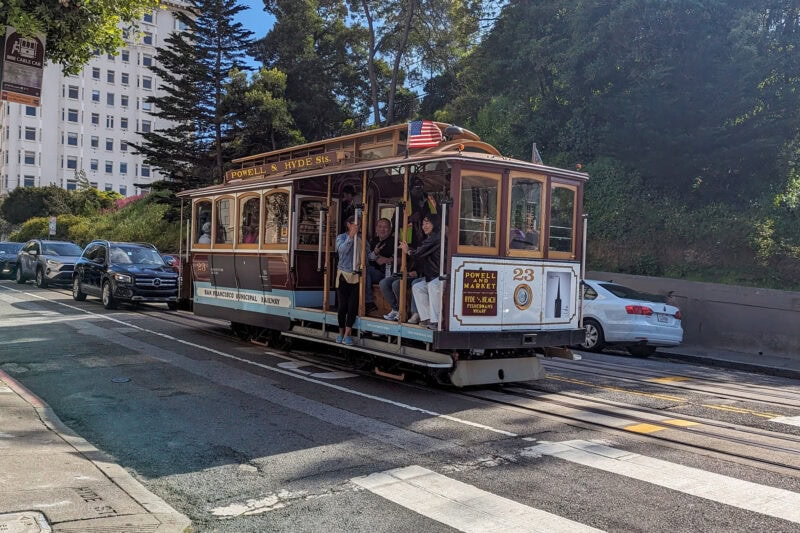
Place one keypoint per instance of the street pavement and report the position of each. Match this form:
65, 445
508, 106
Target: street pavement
53, 480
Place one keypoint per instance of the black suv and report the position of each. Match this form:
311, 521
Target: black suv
124, 271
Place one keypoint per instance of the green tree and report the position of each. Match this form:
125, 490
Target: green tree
323, 59
75, 29
261, 118
23, 203
195, 67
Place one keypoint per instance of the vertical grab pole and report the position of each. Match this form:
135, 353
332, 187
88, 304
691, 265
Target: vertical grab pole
396, 237
326, 282
404, 258
442, 251
320, 244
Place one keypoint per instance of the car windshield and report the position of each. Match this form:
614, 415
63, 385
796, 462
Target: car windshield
61, 248
10, 247
621, 291
122, 254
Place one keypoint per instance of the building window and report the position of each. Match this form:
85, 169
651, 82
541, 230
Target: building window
30, 111
110, 121
110, 99
147, 82
95, 73
147, 60
145, 126
72, 92
95, 95
146, 106
29, 181
93, 184
109, 167
123, 168
110, 76
72, 162
148, 38
96, 118
110, 145
126, 56
30, 134
30, 158
123, 190
124, 78
123, 146
108, 187
72, 115
94, 164
72, 185
145, 171
72, 139
123, 123
123, 100
95, 141
148, 17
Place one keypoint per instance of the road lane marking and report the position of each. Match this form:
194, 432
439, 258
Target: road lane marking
762, 499
462, 506
669, 379
791, 420
644, 428
740, 410
616, 389
277, 370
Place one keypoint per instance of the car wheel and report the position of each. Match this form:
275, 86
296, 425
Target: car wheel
77, 294
595, 340
41, 281
172, 306
18, 275
108, 299
641, 351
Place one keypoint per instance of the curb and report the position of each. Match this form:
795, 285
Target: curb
170, 519
734, 365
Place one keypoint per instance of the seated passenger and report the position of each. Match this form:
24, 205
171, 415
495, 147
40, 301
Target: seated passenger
381, 257
428, 291
205, 238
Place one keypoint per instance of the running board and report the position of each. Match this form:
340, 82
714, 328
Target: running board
561, 352
377, 348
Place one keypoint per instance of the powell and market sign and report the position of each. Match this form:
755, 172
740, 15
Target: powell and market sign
280, 167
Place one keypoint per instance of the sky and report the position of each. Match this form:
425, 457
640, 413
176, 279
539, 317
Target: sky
255, 18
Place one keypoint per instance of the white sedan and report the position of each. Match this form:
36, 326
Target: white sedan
617, 315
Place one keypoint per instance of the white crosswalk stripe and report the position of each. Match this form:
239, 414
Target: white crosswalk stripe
762, 499
462, 506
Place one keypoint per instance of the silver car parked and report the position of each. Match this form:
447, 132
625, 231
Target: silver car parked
47, 262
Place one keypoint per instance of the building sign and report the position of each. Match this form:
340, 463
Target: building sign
479, 296
23, 68
280, 167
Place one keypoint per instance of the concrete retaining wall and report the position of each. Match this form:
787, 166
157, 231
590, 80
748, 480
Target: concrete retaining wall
742, 319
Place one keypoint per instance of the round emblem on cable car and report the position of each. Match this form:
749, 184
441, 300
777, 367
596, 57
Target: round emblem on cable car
523, 296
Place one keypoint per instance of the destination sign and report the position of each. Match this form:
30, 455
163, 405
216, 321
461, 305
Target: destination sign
280, 167
479, 295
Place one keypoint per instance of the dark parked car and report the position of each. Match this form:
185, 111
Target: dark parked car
8, 258
124, 272
47, 262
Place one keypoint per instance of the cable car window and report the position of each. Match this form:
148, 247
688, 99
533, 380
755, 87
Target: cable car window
308, 226
202, 216
223, 233
525, 212
276, 219
562, 219
478, 211
250, 216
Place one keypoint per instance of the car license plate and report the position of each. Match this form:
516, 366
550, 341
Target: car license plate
663, 318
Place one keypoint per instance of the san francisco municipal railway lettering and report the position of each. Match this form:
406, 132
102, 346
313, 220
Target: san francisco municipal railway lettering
479, 297
278, 167
242, 296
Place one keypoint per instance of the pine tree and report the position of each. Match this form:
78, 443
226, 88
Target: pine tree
194, 68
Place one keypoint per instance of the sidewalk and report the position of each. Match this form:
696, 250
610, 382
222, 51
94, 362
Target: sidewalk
752, 362
53, 480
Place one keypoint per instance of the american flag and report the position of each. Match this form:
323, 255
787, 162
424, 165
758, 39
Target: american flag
423, 134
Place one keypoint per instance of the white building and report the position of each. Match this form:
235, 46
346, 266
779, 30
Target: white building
86, 122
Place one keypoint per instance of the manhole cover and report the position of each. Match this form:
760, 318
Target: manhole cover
24, 522
120, 380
